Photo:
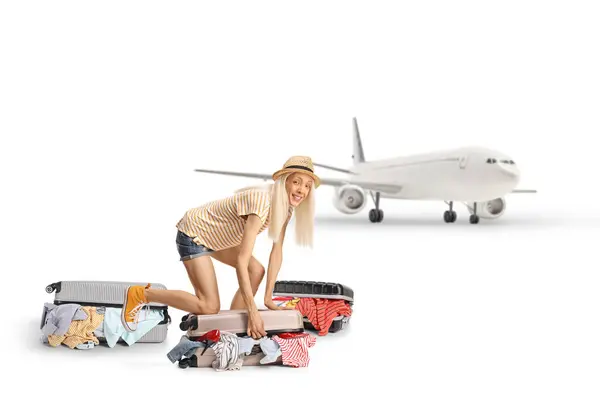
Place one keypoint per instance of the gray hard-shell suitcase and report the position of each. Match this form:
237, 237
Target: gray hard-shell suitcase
236, 322
315, 289
107, 294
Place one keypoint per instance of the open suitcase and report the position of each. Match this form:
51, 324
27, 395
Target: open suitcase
288, 291
236, 322
108, 294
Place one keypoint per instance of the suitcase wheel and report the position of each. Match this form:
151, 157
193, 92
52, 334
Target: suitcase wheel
49, 289
183, 325
191, 323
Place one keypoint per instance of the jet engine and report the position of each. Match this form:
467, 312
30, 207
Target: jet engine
489, 209
349, 199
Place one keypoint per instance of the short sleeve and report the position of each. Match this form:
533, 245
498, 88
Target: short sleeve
253, 202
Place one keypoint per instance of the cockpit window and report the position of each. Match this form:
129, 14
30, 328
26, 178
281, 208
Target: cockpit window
494, 161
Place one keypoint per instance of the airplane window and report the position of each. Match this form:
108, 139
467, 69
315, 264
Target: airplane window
491, 161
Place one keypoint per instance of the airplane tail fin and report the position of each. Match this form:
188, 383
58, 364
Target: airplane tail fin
358, 156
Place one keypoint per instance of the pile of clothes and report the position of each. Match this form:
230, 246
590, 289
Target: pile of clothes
82, 327
319, 312
230, 349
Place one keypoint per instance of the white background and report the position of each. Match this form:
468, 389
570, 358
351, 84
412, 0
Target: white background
106, 108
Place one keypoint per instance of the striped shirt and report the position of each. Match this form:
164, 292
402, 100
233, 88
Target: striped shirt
219, 224
321, 312
227, 353
294, 350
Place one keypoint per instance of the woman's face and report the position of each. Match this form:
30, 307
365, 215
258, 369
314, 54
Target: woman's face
298, 186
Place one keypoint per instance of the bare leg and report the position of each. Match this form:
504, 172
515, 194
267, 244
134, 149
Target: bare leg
202, 276
255, 270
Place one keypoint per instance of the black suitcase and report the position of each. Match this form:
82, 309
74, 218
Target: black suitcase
319, 290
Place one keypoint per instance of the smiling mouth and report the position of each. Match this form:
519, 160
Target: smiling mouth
297, 198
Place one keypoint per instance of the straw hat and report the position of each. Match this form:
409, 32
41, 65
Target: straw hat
298, 164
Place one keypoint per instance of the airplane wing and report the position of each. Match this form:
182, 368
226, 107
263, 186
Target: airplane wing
347, 171
369, 185
524, 191
233, 173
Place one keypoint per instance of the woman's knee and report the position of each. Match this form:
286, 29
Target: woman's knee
256, 269
211, 306
204, 306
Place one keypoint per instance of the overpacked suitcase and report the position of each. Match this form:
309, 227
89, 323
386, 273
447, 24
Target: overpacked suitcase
287, 292
107, 294
236, 321
276, 322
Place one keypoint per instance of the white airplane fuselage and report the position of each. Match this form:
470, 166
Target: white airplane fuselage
464, 174
476, 176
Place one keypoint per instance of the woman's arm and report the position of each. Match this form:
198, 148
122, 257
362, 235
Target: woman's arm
255, 324
253, 224
275, 261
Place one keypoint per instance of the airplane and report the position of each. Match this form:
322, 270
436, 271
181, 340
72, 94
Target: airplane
478, 177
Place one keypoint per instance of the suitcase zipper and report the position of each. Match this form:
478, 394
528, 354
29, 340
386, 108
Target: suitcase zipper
269, 333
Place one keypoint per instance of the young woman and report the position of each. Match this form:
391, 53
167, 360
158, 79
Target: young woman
226, 230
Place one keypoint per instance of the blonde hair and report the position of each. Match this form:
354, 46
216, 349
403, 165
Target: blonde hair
279, 207
305, 215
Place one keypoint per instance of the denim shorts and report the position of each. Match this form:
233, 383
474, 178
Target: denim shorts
188, 249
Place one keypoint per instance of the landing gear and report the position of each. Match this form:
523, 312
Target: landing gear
376, 214
474, 218
450, 215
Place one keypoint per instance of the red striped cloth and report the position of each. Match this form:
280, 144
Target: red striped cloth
321, 312
294, 350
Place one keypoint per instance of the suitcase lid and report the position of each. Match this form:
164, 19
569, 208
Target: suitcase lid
236, 321
102, 293
322, 290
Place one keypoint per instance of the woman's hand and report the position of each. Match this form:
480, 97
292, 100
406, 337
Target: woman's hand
256, 327
272, 306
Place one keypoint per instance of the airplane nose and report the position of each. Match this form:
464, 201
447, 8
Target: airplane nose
510, 170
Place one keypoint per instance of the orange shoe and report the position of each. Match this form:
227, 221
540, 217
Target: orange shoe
135, 300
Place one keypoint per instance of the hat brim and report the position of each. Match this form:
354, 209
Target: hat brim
285, 171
